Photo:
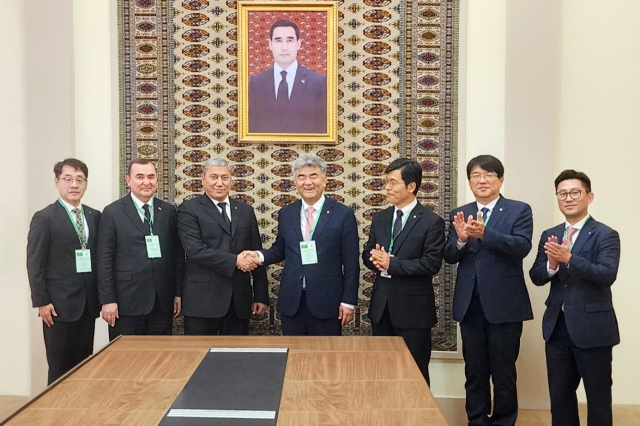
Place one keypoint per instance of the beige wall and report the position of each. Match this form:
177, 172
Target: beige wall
545, 85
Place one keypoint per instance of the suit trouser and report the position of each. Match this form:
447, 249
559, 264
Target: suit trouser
418, 340
566, 365
303, 323
68, 344
490, 352
155, 323
229, 325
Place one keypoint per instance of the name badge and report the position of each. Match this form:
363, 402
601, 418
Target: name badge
83, 261
308, 252
153, 246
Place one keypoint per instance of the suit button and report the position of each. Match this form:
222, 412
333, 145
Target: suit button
564, 285
154, 274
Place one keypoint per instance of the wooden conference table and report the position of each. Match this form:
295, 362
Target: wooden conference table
327, 381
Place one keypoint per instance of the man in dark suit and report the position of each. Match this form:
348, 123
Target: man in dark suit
61, 255
405, 249
287, 98
318, 241
140, 258
491, 299
217, 297
580, 257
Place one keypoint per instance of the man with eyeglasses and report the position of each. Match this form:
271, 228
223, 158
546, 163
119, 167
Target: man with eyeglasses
61, 264
488, 239
140, 258
580, 257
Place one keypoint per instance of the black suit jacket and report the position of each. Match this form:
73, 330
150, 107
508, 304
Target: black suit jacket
126, 275
211, 273
51, 264
417, 256
306, 111
334, 279
584, 287
495, 263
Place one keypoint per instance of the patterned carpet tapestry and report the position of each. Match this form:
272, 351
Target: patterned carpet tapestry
397, 64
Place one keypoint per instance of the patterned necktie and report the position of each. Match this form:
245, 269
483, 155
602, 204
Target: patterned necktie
485, 214
310, 221
571, 231
147, 215
397, 225
227, 221
80, 224
283, 90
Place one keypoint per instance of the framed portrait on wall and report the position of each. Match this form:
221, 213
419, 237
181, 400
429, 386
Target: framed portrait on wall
288, 74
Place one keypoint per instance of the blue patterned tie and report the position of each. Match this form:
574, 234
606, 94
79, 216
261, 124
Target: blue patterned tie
485, 214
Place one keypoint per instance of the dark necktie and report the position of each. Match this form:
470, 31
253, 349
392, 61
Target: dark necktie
227, 221
283, 90
147, 215
397, 225
79, 223
485, 214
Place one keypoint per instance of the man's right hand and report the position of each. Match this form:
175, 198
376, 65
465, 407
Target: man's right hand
110, 313
47, 312
247, 261
459, 226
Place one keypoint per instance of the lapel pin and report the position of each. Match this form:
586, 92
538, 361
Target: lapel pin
500, 208
327, 211
159, 208
302, 81
414, 216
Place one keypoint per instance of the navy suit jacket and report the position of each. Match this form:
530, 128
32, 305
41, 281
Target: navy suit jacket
417, 258
334, 279
212, 277
494, 262
306, 111
126, 275
584, 287
51, 263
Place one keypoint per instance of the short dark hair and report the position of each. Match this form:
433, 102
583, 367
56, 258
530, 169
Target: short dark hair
410, 171
284, 23
572, 174
71, 162
486, 162
141, 161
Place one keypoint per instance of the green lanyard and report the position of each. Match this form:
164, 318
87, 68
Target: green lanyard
393, 223
141, 211
315, 222
565, 231
83, 242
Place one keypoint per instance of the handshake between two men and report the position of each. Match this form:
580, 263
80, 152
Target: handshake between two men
248, 260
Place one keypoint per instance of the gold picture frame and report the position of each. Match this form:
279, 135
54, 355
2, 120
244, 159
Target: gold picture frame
310, 112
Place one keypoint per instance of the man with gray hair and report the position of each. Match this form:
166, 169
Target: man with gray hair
318, 241
217, 297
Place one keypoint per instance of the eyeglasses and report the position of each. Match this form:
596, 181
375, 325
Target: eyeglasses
575, 194
487, 176
69, 180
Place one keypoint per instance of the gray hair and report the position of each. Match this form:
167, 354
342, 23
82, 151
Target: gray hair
309, 160
216, 162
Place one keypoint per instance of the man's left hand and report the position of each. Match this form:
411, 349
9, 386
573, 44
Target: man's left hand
258, 308
345, 314
177, 306
560, 253
380, 258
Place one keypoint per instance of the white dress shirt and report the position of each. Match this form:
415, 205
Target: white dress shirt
490, 206
69, 208
291, 76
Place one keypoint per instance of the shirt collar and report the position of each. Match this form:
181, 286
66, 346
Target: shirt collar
277, 69
317, 206
139, 203
490, 206
578, 225
68, 206
406, 209
215, 202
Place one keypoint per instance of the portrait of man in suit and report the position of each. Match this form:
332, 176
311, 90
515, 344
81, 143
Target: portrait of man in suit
405, 248
580, 257
140, 258
488, 239
318, 242
218, 296
61, 265
288, 97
